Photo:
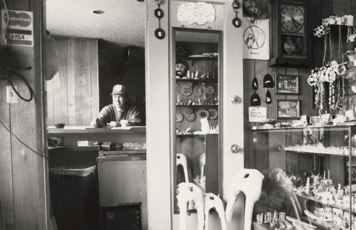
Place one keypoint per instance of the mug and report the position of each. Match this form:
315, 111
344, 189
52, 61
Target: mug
124, 123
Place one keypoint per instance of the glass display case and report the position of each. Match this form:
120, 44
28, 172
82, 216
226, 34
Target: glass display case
196, 108
310, 177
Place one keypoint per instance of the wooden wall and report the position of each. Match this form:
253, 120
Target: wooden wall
319, 9
73, 95
23, 184
259, 68
88, 70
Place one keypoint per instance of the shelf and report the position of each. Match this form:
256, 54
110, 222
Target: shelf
194, 135
307, 197
197, 58
344, 127
198, 80
122, 152
345, 153
76, 148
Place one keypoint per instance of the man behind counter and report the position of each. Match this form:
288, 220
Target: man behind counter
120, 109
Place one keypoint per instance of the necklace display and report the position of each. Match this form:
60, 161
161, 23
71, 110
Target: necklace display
327, 80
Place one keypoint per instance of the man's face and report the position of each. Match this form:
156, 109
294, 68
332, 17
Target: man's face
119, 101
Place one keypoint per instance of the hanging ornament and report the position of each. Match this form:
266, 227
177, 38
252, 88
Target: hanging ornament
268, 97
236, 21
159, 33
254, 83
268, 81
255, 100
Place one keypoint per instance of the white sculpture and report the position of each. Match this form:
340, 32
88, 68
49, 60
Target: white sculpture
183, 161
248, 181
212, 201
199, 169
190, 193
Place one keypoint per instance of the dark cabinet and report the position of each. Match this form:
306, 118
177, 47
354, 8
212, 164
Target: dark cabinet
196, 108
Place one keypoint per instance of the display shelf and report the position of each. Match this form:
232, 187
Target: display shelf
196, 92
197, 58
331, 151
197, 80
306, 153
345, 207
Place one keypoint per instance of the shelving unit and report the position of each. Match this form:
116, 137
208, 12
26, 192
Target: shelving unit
318, 159
197, 99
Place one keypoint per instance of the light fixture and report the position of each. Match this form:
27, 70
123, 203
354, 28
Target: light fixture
98, 11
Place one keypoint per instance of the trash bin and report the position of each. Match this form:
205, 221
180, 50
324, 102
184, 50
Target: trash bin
74, 197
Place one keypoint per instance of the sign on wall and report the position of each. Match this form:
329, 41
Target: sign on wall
19, 27
199, 13
257, 114
256, 39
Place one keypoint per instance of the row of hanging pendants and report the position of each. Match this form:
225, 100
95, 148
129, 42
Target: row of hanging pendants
267, 83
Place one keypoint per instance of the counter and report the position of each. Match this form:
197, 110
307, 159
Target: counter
70, 135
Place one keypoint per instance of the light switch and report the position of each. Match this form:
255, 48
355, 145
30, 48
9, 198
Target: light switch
11, 96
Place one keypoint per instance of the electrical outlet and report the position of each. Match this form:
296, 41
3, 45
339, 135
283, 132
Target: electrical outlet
11, 96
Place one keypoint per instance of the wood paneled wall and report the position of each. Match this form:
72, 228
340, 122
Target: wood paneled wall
76, 100
23, 185
259, 68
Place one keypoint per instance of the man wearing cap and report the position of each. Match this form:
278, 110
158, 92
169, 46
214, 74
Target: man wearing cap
120, 109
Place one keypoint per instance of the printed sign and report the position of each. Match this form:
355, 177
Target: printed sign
256, 37
18, 26
257, 114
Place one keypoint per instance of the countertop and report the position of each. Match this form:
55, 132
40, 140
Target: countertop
89, 129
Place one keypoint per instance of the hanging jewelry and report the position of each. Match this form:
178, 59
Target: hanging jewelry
159, 33
340, 45
325, 47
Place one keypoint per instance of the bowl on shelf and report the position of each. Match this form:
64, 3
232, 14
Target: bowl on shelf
59, 125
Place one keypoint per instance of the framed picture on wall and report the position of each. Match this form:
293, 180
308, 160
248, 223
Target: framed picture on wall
288, 108
287, 84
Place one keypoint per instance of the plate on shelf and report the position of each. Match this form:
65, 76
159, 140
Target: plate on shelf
197, 55
190, 117
186, 90
210, 89
203, 113
213, 114
179, 117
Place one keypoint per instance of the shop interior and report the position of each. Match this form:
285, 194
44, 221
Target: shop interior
248, 115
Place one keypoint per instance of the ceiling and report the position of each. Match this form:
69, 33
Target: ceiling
122, 21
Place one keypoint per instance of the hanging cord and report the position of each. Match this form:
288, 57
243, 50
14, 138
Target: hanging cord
10, 73
325, 48
331, 46
340, 45
17, 138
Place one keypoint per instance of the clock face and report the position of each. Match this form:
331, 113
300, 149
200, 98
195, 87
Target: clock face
292, 18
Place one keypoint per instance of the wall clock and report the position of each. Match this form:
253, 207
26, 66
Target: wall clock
290, 33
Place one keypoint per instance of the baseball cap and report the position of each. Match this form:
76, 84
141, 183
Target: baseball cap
119, 90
